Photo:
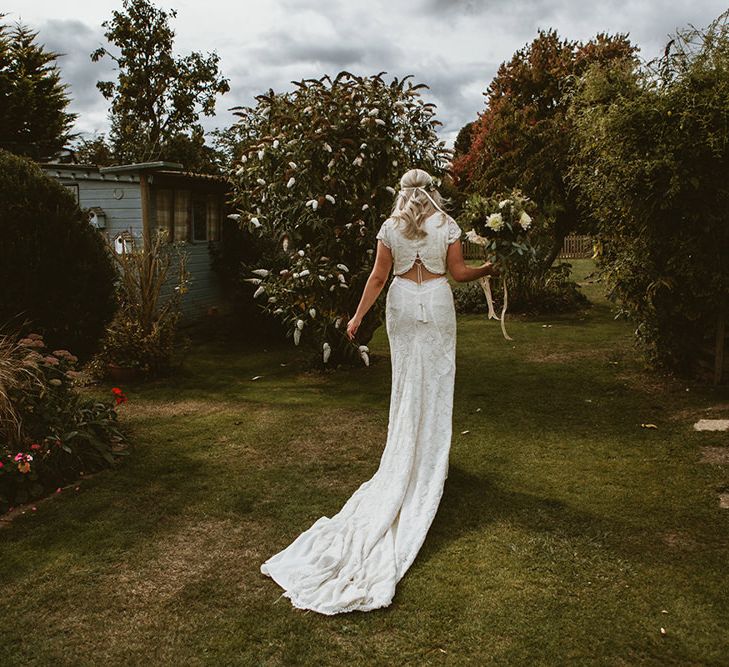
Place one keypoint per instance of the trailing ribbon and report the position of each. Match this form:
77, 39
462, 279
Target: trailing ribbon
486, 286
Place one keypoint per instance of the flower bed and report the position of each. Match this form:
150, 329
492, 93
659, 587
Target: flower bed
50, 433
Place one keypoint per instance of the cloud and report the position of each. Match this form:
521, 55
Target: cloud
454, 46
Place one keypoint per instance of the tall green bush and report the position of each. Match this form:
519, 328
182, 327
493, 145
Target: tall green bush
652, 158
56, 271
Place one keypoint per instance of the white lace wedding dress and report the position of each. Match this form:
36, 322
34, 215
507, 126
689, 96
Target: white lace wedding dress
354, 560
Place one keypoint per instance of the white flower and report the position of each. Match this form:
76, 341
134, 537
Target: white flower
374, 112
504, 202
363, 145
255, 222
331, 199
331, 289
326, 351
304, 273
391, 190
312, 312
357, 162
525, 220
275, 143
234, 216
254, 281
240, 171
260, 181
292, 165
473, 237
495, 221
337, 322
285, 243
259, 291
291, 182
295, 274
307, 110
261, 154
323, 278
272, 299
343, 267
379, 121
394, 163
327, 147
365, 207
244, 158
301, 253
311, 203
331, 163
261, 272
300, 324
278, 311
297, 336
341, 278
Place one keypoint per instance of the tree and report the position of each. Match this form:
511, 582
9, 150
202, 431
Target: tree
651, 154
94, 150
315, 177
522, 138
157, 97
33, 117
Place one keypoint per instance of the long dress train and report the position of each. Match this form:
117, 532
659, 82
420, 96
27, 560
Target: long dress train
354, 560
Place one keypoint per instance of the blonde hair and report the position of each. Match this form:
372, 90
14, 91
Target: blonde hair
415, 203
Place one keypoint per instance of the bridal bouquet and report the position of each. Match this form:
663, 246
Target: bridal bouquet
500, 225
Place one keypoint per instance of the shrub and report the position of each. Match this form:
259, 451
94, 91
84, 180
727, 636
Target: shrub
652, 155
316, 175
49, 432
56, 272
144, 332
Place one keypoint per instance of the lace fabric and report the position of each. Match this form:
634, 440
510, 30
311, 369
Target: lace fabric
354, 560
432, 249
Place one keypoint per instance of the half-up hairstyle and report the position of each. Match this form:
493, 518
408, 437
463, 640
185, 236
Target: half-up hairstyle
417, 200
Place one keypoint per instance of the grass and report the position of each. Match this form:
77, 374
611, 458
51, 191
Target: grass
564, 532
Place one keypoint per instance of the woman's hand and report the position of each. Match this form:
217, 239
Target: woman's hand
352, 327
493, 270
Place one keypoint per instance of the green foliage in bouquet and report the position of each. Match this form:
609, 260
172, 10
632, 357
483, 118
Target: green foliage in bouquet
315, 178
144, 333
50, 433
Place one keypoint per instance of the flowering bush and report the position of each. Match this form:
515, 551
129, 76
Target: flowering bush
50, 433
315, 175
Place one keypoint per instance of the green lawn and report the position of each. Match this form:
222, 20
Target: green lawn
566, 534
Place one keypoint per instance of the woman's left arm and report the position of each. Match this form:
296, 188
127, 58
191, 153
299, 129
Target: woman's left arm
378, 277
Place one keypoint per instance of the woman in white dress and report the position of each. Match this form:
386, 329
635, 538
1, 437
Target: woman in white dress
354, 560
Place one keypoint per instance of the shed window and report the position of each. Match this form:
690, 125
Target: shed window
199, 220
214, 206
163, 211
182, 215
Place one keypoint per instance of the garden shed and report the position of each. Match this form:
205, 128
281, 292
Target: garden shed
128, 203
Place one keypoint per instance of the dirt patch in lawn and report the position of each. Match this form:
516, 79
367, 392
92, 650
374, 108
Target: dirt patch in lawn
715, 455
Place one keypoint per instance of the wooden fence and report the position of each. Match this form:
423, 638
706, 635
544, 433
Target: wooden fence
574, 247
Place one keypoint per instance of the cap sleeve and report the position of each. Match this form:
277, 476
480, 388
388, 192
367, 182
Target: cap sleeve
454, 231
384, 233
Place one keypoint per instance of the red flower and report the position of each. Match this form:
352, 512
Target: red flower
119, 394
35, 445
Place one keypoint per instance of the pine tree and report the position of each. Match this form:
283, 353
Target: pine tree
33, 100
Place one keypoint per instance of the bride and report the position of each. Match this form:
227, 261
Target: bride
354, 560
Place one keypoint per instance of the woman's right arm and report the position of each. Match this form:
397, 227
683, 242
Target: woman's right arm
463, 273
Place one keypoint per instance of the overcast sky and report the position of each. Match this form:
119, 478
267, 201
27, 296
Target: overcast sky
454, 46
